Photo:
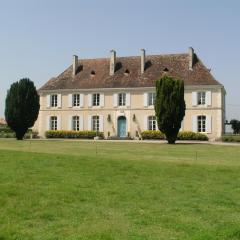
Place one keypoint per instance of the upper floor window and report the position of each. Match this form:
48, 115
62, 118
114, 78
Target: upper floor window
201, 98
95, 123
53, 123
152, 123
201, 123
96, 99
75, 123
54, 100
122, 99
76, 100
151, 99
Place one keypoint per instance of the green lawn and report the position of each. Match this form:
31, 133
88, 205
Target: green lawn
84, 190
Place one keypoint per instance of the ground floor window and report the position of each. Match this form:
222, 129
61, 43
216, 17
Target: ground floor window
201, 123
152, 123
95, 123
75, 123
53, 123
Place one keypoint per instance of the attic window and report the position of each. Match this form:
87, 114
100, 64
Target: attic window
93, 73
126, 72
165, 70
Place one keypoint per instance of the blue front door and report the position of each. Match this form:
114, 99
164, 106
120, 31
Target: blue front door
122, 127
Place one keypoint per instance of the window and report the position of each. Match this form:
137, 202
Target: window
201, 120
75, 123
95, 123
152, 123
201, 98
151, 99
96, 99
122, 99
76, 100
53, 123
54, 100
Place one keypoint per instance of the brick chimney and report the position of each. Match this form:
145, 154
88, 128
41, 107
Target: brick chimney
112, 62
143, 56
75, 65
191, 58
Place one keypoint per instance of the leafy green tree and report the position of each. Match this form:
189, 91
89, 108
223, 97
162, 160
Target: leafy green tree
169, 106
22, 106
235, 126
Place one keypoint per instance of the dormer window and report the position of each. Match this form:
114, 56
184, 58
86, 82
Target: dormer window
126, 72
93, 73
165, 70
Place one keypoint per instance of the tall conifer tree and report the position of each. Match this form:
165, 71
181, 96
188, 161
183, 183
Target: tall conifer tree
169, 106
22, 106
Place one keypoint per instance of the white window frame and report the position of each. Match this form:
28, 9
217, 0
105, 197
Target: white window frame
96, 99
54, 100
201, 98
53, 123
152, 123
76, 123
96, 123
202, 123
151, 98
122, 99
76, 100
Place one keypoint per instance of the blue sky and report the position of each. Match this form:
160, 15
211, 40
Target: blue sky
38, 38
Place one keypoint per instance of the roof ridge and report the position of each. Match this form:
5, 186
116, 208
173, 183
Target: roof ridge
136, 56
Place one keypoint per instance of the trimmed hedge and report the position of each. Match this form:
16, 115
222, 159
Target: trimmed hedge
72, 134
152, 135
188, 135
231, 138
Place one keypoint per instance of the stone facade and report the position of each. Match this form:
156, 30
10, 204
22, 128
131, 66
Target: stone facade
205, 107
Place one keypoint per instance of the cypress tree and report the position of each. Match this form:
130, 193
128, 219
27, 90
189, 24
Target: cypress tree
169, 106
22, 106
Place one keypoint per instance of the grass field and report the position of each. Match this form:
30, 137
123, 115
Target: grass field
84, 190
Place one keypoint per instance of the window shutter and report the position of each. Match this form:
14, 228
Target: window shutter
181, 128
194, 98
115, 100
145, 126
59, 101
89, 123
89, 100
209, 123
81, 100
81, 122
70, 123
145, 99
101, 123
48, 123
128, 99
48, 101
194, 123
59, 122
101, 100
70, 100
209, 98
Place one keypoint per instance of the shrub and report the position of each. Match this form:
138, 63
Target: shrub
231, 138
72, 134
188, 135
8, 133
152, 135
